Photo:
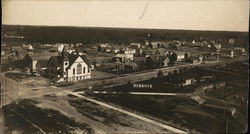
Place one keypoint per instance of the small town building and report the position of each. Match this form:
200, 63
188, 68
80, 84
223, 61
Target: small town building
31, 60
108, 50
3, 53
128, 66
135, 45
102, 47
124, 57
115, 49
227, 53
128, 51
148, 52
20, 52
68, 67
181, 55
157, 44
30, 48
188, 81
157, 61
238, 51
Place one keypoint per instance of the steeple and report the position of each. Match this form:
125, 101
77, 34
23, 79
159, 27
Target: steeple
64, 54
76, 49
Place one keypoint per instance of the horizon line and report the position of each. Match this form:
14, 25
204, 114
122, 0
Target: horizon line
123, 28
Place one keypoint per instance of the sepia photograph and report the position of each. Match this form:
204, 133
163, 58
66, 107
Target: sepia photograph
124, 67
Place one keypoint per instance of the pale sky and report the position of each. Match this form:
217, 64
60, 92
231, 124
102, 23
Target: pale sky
222, 15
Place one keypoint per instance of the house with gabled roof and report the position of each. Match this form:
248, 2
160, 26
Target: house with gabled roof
30, 60
123, 57
157, 61
68, 67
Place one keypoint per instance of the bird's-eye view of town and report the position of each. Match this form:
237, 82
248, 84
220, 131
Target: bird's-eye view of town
86, 80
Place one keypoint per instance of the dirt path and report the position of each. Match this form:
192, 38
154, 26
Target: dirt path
175, 130
118, 122
143, 93
65, 108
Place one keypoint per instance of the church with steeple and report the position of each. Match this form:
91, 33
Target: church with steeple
68, 67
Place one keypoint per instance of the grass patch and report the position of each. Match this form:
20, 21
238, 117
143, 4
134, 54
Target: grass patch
51, 121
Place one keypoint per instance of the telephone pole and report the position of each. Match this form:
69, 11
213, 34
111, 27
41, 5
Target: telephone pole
227, 127
160, 61
1, 103
116, 69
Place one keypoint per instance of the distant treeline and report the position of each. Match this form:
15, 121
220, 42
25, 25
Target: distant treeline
59, 34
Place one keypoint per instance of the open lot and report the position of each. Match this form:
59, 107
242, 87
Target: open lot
26, 117
213, 116
68, 114
101, 75
183, 112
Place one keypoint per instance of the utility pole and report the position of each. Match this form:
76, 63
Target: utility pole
3, 86
218, 55
227, 127
49, 76
1, 103
116, 69
17, 87
160, 61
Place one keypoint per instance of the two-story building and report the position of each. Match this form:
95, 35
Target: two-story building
31, 60
68, 67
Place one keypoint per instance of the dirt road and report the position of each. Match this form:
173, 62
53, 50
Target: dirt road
167, 127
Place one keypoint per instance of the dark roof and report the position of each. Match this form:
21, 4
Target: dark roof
57, 60
157, 58
73, 57
42, 63
42, 56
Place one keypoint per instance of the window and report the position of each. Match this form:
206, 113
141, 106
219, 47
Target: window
74, 70
79, 69
84, 70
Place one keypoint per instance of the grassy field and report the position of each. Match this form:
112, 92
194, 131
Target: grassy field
115, 121
50, 121
182, 111
212, 116
18, 76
